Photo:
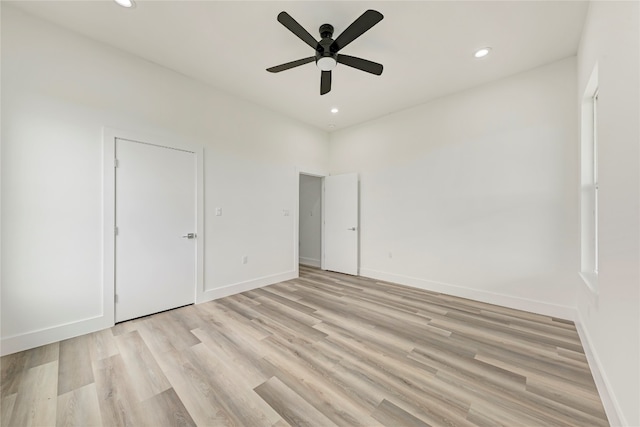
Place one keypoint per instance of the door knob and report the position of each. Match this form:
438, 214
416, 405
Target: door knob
351, 229
189, 236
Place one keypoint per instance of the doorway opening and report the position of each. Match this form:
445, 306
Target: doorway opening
310, 221
328, 222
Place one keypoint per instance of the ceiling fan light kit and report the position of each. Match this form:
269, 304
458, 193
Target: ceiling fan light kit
326, 63
326, 50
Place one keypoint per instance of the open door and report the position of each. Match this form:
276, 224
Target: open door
341, 228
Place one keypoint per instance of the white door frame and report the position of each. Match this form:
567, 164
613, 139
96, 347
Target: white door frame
109, 136
296, 225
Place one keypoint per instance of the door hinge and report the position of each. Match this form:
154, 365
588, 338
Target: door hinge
115, 298
115, 231
115, 163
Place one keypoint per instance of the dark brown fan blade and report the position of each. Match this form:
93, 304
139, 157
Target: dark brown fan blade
356, 29
325, 82
361, 64
291, 64
292, 25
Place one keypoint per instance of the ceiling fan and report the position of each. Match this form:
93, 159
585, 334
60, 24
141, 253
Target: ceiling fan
326, 50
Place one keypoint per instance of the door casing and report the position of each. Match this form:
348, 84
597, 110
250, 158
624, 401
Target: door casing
322, 175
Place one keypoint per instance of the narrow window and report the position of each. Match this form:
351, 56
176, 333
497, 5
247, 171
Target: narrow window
589, 184
595, 182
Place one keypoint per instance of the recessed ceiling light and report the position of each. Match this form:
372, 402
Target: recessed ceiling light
481, 53
332, 126
334, 110
125, 3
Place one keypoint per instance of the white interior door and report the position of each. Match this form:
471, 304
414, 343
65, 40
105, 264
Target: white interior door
341, 223
155, 265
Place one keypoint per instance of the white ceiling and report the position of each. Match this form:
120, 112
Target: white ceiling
426, 47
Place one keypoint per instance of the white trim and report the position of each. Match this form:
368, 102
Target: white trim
108, 223
525, 304
591, 280
248, 285
312, 262
605, 390
33, 339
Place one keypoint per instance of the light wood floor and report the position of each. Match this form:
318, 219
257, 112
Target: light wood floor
322, 350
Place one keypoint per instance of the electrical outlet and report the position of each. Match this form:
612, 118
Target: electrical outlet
218, 211
285, 212
390, 255
245, 259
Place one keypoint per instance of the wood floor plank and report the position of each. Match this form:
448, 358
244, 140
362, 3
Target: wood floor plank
389, 414
117, 399
161, 334
230, 391
43, 354
304, 317
590, 407
232, 357
333, 403
244, 333
232, 318
194, 389
128, 326
361, 390
166, 409
35, 403
322, 349
6, 408
287, 320
12, 368
271, 294
486, 415
79, 407
402, 381
291, 407
242, 307
145, 375
75, 364
102, 344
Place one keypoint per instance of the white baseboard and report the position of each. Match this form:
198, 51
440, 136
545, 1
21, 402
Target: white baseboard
539, 307
26, 341
248, 285
609, 401
311, 262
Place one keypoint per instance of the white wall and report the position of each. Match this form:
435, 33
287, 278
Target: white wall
310, 219
475, 194
58, 90
610, 320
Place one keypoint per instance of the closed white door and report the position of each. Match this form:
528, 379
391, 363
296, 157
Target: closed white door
341, 223
155, 209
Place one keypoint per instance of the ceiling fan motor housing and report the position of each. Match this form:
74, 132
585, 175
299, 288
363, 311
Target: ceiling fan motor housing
326, 60
326, 31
